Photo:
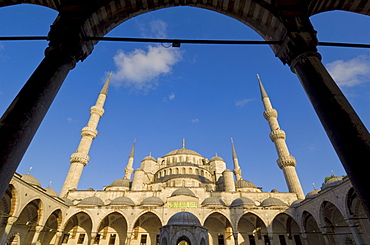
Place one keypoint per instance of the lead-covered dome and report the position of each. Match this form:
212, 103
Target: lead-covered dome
51, 192
213, 201
123, 201
95, 201
242, 201
30, 180
183, 151
121, 182
332, 182
272, 201
244, 184
152, 201
312, 194
184, 192
183, 218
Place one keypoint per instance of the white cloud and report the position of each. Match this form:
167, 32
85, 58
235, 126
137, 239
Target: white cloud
195, 120
141, 68
350, 73
169, 97
243, 102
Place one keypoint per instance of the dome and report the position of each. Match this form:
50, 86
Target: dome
148, 158
67, 201
244, 184
183, 151
121, 182
242, 201
312, 194
296, 203
96, 201
152, 201
332, 182
216, 158
184, 192
51, 192
30, 180
124, 201
272, 201
211, 201
184, 218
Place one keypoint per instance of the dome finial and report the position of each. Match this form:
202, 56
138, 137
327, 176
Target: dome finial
29, 171
183, 143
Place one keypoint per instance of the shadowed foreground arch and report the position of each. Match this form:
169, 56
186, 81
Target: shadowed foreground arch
284, 21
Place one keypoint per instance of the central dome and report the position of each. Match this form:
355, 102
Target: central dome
183, 151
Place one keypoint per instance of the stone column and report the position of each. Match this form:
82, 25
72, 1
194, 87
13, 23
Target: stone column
347, 133
8, 227
58, 236
21, 120
36, 236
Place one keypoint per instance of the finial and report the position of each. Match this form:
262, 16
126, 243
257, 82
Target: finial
216, 154
106, 85
150, 154
332, 173
262, 89
50, 184
314, 186
29, 171
183, 143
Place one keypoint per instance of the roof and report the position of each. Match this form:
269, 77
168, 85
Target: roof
51, 192
124, 201
184, 218
184, 192
152, 201
183, 151
96, 201
121, 182
272, 201
210, 201
244, 184
30, 180
242, 201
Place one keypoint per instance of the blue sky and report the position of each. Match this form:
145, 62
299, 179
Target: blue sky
203, 93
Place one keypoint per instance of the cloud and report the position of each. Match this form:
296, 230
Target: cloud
169, 97
243, 102
350, 73
141, 68
195, 120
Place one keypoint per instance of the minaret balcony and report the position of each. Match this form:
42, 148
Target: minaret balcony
97, 110
89, 132
277, 134
270, 113
79, 158
286, 161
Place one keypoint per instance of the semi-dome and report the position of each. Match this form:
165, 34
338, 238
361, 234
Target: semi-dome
211, 201
152, 201
312, 194
244, 184
183, 218
242, 201
121, 182
30, 180
272, 201
96, 201
332, 182
51, 192
184, 192
183, 151
123, 201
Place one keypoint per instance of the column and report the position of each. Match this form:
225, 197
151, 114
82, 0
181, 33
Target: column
347, 133
38, 229
21, 120
8, 227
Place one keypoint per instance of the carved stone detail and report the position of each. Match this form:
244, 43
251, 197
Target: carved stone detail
97, 110
277, 134
79, 158
271, 113
89, 132
286, 161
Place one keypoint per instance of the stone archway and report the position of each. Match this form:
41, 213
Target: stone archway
252, 230
219, 229
312, 231
77, 230
112, 228
146, 229
286, 230
48, 233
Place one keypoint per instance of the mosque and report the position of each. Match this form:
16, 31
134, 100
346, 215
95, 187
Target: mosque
182, 198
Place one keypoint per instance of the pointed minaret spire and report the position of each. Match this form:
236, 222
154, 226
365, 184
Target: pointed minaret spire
129, 169
286, 162
237, 170
80, 158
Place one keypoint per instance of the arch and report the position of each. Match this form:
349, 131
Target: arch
113, 228
285, 228
48, 233
219, 228
312, 231
183, 240
7, 206
146, 228
77, 229
251, 228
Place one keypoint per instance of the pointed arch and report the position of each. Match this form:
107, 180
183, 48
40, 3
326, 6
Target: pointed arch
113, 227
77, 229
146, 227
251, 228
219, 228
285, 228
48, 233
312, 231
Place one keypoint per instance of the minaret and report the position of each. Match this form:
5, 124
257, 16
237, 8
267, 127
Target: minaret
237, 170
286, 162
129, 169
80, 158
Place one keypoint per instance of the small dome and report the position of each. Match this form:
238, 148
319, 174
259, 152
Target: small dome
216, 158
184, 192
124, 201
296, 203
30, 180
183, 151
183, 218
312, 194
244, 184
152, 201
332, 182
121, 182
96, 201
274, 191
211, 201
67, 201
242, 201
51, 192
148, 158
272, 201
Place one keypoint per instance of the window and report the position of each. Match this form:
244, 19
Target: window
81, 239
65, 238
252, 241
221, 240
143, 239
297, 240
112, 239
282, 240
97, 239
157, 239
